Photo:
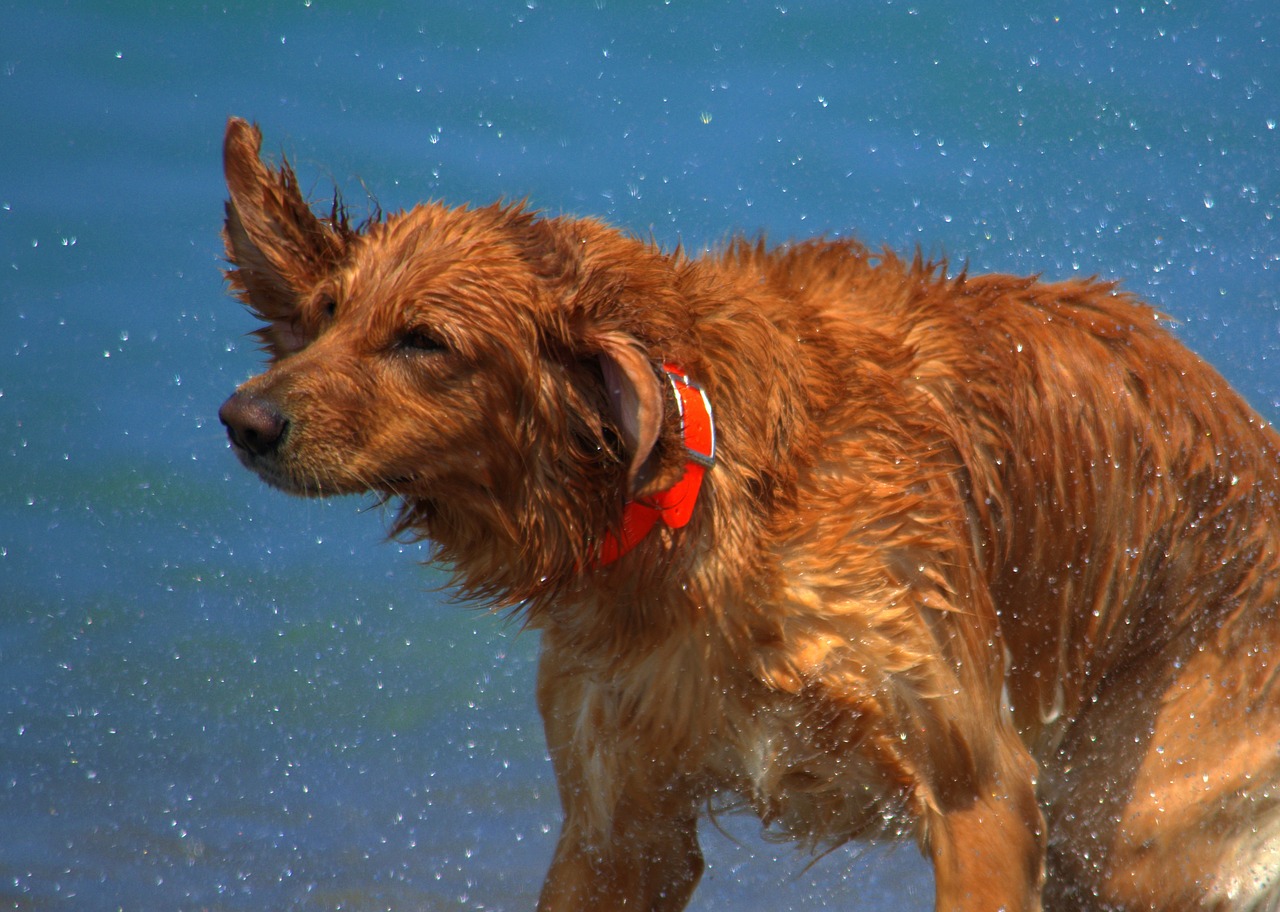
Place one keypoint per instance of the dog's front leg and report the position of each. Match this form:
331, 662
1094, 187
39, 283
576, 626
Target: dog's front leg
629, 840
988, 850
646, 864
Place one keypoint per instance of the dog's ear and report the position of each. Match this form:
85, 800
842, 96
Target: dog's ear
635, 399
276, 245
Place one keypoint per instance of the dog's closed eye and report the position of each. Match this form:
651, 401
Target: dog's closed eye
420, 341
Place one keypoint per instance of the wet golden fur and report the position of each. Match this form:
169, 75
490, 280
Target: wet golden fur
985, 560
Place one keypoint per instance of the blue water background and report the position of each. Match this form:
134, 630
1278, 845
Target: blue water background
215, 697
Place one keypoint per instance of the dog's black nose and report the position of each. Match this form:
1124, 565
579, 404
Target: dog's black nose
252, 424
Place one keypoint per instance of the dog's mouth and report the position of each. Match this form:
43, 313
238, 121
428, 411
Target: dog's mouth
269, 469
278, 472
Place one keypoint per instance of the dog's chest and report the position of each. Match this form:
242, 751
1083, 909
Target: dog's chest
805, 774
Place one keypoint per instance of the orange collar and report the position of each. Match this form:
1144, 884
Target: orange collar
674, 505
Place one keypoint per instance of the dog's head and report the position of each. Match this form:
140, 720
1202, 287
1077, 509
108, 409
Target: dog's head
492, 371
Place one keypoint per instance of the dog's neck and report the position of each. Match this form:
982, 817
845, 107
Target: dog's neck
673, 505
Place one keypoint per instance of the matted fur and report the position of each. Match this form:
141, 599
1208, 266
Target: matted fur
987, 560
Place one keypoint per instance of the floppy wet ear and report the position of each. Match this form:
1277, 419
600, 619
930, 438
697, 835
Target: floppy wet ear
276, 245
635, 400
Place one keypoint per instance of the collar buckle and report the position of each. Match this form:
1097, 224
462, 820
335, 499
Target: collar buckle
697, 421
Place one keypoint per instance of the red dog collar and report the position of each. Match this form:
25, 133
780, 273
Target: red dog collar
674, 505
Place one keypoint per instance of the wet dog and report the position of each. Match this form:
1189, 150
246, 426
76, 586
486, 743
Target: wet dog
985, 560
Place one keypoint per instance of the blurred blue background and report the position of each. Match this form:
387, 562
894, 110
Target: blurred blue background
215, 697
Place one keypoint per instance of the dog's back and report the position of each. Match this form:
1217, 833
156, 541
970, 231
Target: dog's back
1125, 509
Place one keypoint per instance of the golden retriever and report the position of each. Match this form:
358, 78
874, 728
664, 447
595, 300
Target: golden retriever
986, 560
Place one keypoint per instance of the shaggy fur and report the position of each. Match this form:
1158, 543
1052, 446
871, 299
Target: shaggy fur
985, 560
